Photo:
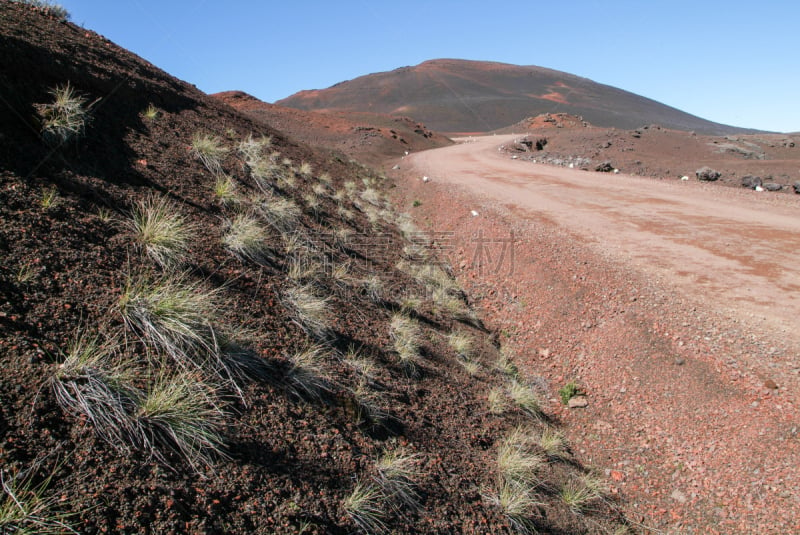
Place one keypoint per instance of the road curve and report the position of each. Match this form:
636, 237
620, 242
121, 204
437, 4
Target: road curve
737, 250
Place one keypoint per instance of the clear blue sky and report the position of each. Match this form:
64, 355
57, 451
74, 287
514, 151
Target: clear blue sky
735, 62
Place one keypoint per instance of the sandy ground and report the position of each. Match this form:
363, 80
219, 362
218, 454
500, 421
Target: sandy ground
674, 304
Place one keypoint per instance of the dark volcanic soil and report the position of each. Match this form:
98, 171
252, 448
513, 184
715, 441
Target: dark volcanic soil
291, 457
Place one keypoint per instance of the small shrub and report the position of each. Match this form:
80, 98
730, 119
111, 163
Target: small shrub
210, 151
568, 391
65, 118
161, 231
417, 203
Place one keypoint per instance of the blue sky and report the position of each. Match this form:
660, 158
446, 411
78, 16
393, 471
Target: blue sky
735, 62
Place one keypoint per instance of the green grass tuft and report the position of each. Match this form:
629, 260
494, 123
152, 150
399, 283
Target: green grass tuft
25, 508
161, 231
209, 150
247, 238
365, 507
65, 118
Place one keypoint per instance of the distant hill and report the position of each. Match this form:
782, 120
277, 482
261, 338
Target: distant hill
454, 96
370, 138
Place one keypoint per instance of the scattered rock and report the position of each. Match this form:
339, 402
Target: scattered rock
396, 167
796, 187
578, 402
684, 178
707, 174
474, 213
750, 181
772, 186
772, 385
604, 167
679, 361
426, 179
678, 496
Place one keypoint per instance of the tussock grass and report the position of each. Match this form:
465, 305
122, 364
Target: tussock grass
374, 288
320, 190
462, 344
497, 401
341, 275
580, 493
505, 364
282, 213
398, 474
312, 203
472, 367
305, 169
517, 463
180, 413
161, 231
92, 383
362, 365
65, 118
26, 508
309, 311
305, 268
176, 316
407, 337
225, 190
350, 187
553, 444
365, 507
325, 178
150, 112
48, 8
518, 504
345, 213
369, 405
253, 150
525, 398
209, 150
49, 198
372, 196
247, 238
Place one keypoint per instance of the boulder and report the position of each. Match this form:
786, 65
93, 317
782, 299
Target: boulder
796, 187
707, 174
772, 186
750, 181
604, 167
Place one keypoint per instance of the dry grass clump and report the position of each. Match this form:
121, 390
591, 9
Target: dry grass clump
305, 268
525, 398
282, 213
209, 150
309, 311
25, 508
247, 239
150, 112
398, 474
517, 462
505, 364
305, 169
553, 444
181, 413
518, 503
225, 190
49, 198
580, 493
65, 118
161, 231
374, 288
49, 8
175, 316
407, 337
462, 344
365, 507
93, 383
497, 401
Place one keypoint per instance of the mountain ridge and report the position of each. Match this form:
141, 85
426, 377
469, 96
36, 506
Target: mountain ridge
460, 96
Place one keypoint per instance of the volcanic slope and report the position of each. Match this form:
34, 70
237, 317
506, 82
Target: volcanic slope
460, 96
206, 328
370, 138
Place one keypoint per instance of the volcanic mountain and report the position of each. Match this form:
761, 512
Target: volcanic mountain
459, 96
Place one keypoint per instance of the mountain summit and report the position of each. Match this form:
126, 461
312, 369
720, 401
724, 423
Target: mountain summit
451, 95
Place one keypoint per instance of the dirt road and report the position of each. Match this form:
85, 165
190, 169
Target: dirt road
739, 250
674, 304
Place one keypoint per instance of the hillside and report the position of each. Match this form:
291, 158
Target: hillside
206, 327
368, 137
459, 96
